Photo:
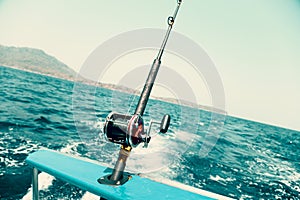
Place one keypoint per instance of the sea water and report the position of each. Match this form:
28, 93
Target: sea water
245, 160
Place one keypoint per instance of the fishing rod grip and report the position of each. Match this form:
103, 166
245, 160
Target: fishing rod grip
147, 88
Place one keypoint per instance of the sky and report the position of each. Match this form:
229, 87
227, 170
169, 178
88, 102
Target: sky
254, 44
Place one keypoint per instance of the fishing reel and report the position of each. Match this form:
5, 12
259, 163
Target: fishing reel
130, 130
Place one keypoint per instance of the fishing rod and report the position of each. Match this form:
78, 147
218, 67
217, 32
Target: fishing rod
129, 130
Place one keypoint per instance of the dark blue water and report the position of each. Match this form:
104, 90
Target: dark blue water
250, 160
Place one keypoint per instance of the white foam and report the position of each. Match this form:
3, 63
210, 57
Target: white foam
19, 148
271, 166
217, 178
90, 196
201, 123
45, 180
163, 150
70, 148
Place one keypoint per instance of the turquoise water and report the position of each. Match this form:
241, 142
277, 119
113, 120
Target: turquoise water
249, 161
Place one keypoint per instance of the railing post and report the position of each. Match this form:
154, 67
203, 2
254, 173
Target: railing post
35, 184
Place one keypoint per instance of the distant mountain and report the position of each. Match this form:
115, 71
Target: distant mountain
37, 61
34, 60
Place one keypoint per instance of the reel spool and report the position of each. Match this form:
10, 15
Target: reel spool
130, 130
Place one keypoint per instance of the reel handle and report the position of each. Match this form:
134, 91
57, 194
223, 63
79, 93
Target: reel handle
164, 126
165, 123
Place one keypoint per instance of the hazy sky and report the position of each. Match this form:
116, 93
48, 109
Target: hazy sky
254, 44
